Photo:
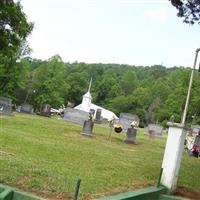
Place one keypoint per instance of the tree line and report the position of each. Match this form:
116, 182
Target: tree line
154, 93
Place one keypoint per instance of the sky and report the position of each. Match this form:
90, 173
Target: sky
135, 32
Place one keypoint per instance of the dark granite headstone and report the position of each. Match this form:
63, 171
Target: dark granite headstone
131, 136
125, 119
5, 106
87, 128
26, 108
75, 115
155, 130
98, 114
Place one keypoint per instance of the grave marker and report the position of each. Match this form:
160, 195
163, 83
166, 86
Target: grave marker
26, 108
155, 130
45, 110
195, 128
5, 106
87, 128
125, 119
75, 115
131, 136
98, 114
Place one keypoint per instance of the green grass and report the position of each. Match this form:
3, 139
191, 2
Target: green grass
40, 155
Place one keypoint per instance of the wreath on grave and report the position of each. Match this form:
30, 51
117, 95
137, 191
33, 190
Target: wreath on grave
117, 128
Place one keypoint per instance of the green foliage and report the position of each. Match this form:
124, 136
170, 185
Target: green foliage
14, 29
153, 93
49, 84
188, 9
129, 82
120, 103
106, 88
78, 86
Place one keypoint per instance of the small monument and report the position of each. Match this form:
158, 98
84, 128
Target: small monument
195, 128
131, 133
125, 119
98, 115
88, 125
5, 106
45, 110
26, 108
75, 116
155, 130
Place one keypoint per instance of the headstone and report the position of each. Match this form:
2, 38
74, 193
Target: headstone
195, 129
45, 110
98, 114
5, 106
155, 130
131, 136
26, 108
18, 109
75, 115
87, 128
125, 119
197, 141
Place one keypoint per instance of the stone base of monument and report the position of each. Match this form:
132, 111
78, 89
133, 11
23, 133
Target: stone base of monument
98, 121
87, 128
130, 136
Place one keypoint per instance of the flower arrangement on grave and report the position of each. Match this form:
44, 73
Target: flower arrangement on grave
118, 128
134, 124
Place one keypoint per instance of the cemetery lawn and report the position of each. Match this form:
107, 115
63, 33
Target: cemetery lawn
45, 155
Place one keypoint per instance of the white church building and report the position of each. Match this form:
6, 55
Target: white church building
87, 104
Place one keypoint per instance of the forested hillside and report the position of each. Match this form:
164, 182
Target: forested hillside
152, 92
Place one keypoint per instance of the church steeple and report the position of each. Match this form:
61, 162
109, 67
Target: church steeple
87, 98
90, 85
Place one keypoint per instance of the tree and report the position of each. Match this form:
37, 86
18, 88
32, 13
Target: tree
188, 9
78, 82
49, 85
105, 88
14, 27
129, 82
120, 104
14, 30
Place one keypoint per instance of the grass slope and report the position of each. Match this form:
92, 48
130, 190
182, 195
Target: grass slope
40, 155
